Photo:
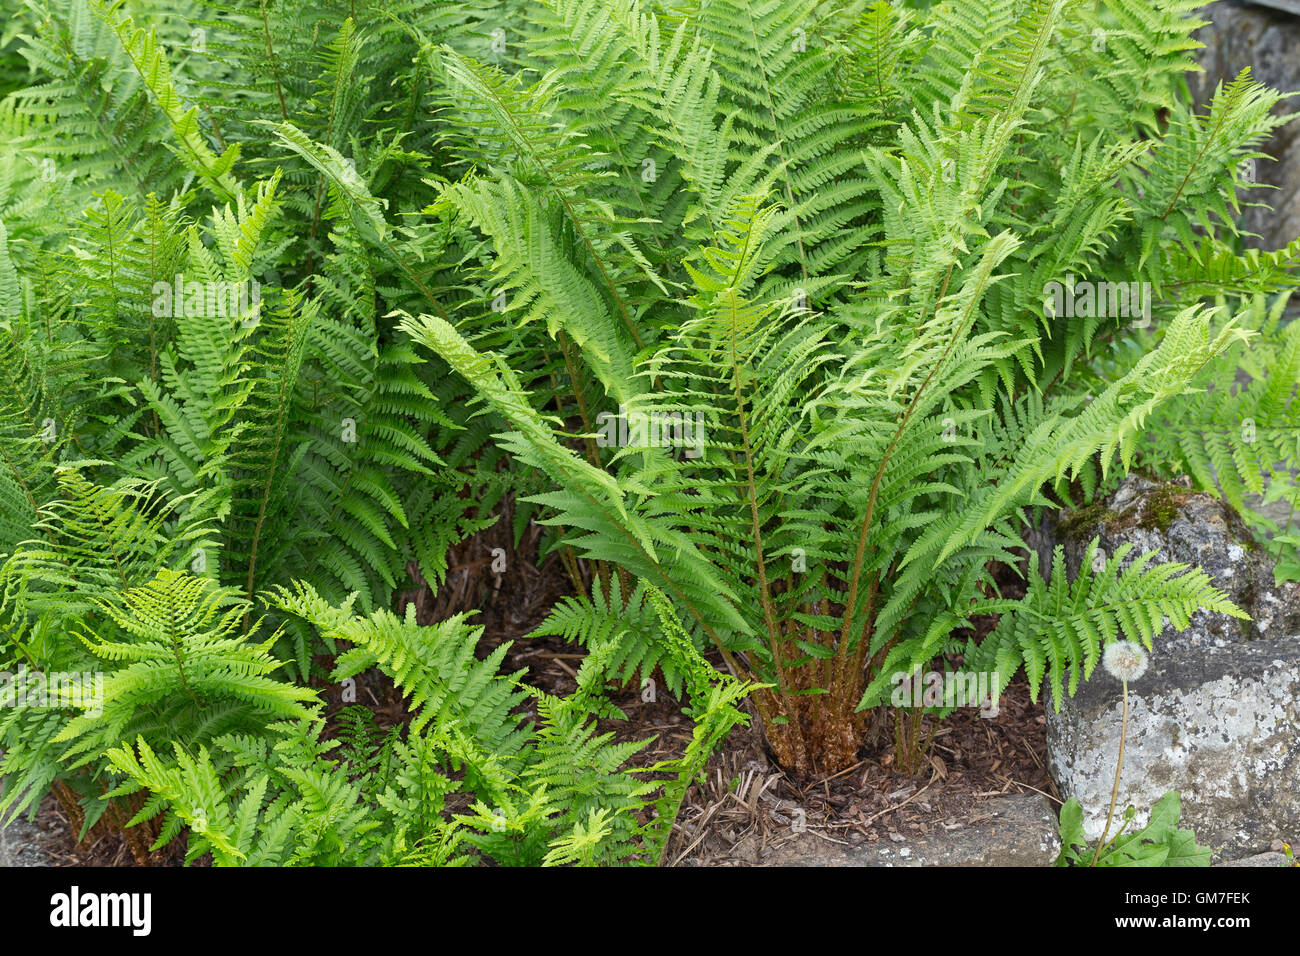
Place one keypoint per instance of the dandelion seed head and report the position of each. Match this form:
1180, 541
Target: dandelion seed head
1125, 660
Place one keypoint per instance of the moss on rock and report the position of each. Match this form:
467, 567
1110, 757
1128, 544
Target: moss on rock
1084, 523
1155, 512
1160, 508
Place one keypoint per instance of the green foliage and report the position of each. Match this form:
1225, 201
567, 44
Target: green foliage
853, 309
1159, 843
220, 459
1059, 629
748, 304
627, 631
551, 795
721, 532
1239, 435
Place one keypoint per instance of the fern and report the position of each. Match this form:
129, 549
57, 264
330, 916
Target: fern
1058, 630
775, 478
749, 306
553, 796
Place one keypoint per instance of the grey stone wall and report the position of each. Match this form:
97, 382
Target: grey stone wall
1268, 41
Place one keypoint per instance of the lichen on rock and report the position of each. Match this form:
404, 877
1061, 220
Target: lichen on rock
1217, 715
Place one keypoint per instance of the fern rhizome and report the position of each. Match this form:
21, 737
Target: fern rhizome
783, 318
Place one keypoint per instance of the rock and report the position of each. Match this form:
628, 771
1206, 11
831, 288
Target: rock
1217, 715
1260, 859
1015, 830
19, 845
1267, 41
1288, 6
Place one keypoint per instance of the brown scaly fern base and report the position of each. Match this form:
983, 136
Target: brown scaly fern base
138, 838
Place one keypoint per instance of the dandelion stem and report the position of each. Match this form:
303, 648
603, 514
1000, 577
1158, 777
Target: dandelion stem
1114, 791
